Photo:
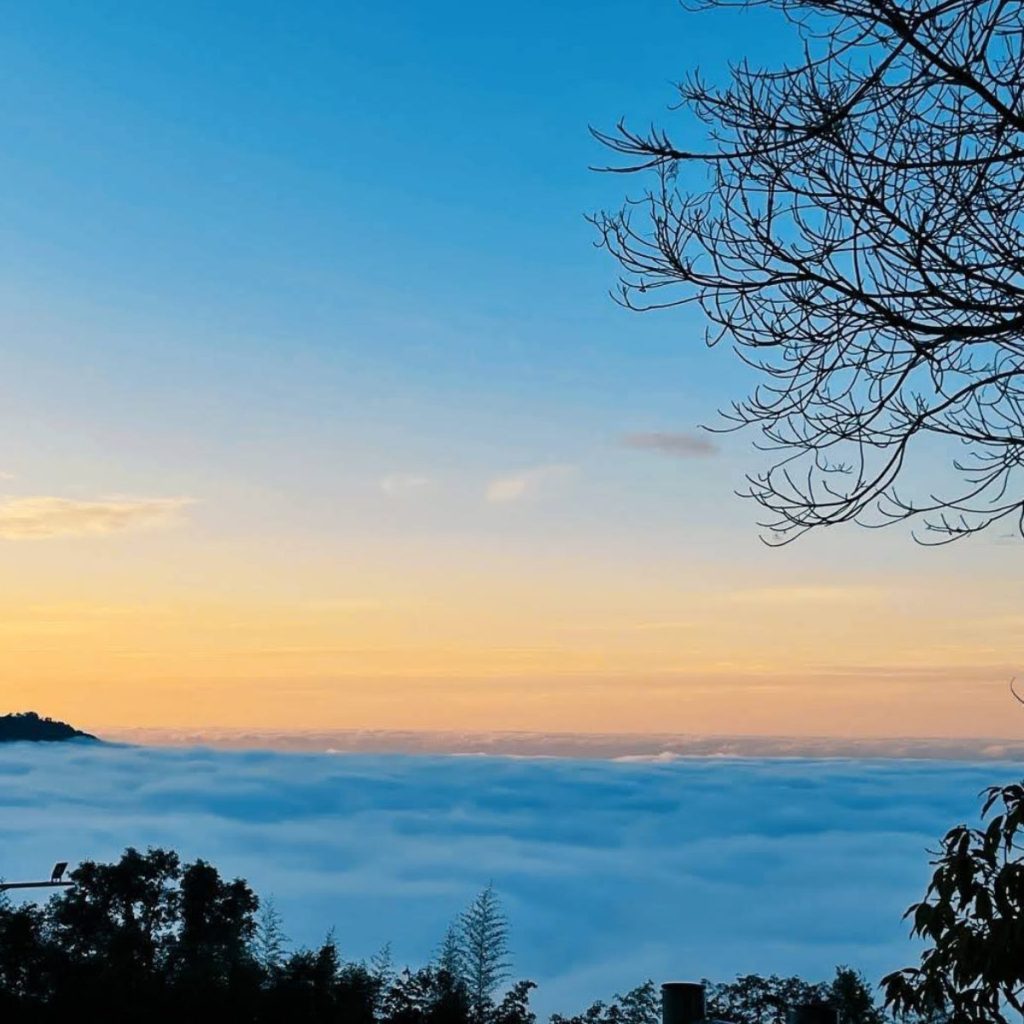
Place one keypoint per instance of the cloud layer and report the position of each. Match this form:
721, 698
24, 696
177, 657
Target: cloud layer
606, 746
675, 445
611, 872
40, 517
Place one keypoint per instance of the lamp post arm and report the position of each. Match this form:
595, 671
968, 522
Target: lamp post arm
4, 886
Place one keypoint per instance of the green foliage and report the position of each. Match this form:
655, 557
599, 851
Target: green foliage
973, 916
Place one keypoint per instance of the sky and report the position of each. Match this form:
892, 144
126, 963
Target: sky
315, 411
610, 873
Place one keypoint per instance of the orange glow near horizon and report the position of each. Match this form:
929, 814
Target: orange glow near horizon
457, 651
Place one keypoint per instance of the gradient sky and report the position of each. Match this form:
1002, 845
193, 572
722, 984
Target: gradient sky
315, 410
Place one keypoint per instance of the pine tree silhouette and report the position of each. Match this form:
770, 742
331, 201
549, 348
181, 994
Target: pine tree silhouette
484, 949
270, 940
449, 954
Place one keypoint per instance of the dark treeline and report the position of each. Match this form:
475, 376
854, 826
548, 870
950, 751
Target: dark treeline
150, 939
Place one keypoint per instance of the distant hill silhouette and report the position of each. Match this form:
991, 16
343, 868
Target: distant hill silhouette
27, 725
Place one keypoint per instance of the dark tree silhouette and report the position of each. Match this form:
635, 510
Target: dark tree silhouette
111, 932
149, 939
269, 940
484, 946
211, 959
23, 960
754, 999
851, 994
430, 996
854, 225
449, 953
514, 1007
641, 1005
973, 916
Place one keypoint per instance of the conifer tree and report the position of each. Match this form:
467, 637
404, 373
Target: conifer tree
449, 953
484, 951
382, 971
269, 942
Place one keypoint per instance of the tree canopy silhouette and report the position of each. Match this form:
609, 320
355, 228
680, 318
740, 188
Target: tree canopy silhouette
854, 225
149, 939
973, 917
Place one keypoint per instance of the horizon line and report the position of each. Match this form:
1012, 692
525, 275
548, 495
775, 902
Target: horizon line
593, 745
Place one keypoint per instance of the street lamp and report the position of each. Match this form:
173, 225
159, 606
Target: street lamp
56, 879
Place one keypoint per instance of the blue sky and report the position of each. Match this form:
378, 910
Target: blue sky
391, 190
300, 312
355, 230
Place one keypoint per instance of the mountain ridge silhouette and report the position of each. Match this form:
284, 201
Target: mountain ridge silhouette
32, 727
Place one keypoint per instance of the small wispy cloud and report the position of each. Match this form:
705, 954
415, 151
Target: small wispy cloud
675, 445
526, 484
404, 485
36, 518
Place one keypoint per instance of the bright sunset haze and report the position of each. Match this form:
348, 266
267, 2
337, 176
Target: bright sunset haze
316, 414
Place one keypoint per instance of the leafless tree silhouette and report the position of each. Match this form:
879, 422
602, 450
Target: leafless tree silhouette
853, 226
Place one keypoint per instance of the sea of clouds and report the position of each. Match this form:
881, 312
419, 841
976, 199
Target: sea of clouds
621, 746
611, 872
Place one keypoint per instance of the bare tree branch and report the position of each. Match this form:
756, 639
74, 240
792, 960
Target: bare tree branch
859, 240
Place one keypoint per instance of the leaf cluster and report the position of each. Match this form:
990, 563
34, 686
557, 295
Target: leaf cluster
972, 916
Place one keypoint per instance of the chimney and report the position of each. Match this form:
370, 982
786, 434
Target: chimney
813, 1013
682, 1002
